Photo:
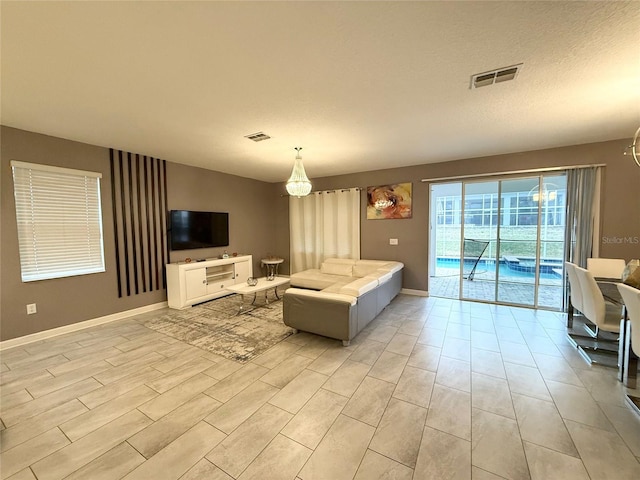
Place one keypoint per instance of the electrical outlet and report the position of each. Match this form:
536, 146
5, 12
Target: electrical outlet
393, 241
31, 309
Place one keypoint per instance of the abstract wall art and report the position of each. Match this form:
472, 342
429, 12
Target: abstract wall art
389, 201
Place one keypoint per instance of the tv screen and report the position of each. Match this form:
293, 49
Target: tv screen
198, 229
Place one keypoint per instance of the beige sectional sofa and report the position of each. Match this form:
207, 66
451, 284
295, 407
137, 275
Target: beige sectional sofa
341, 297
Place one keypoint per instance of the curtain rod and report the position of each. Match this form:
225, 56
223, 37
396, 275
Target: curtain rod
513, 172
333, 190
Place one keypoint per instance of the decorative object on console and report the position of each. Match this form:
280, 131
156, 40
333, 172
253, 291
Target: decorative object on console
225, 254
252, 281
298, 184
634, 148
389, 201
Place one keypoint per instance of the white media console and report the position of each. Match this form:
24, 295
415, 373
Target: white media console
199, 281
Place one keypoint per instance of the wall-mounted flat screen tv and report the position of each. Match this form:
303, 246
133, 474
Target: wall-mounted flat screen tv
189, 229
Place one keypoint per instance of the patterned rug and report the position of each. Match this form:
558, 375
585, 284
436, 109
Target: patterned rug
214, 326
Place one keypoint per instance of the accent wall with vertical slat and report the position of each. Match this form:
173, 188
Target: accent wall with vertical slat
139, 191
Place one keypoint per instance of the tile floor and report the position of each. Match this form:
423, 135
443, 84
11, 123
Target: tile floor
432, 389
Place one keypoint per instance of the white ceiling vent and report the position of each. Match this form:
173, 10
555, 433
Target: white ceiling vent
258, 137
495, 76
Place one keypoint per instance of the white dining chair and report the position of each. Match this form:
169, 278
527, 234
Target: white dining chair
631, 299
575, 290
604, 315
606, 267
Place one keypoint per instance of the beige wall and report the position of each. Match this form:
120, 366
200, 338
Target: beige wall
620, 202
259, 224
70, 300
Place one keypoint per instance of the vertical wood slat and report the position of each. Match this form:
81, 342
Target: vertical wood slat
140, 221
165, 243
114, 207
124, 225
139, 215
132, 225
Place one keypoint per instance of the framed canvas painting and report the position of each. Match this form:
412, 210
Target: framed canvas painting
389, 201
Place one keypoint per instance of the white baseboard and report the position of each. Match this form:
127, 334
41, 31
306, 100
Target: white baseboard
54, 332
419, 293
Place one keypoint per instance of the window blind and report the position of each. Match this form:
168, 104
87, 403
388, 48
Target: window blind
59, 219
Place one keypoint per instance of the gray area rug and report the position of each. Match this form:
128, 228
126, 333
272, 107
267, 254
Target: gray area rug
214, 326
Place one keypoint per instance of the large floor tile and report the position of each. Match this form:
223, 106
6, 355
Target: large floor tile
340, 452
378, 467
282, 459
231, 414
443, 456
454, 374
11, 437
29, 452
347, 378
526, 381
178, 395
116, 463
369, 401
161, 433
490, 430
575, 403
234, 454
389, 367
415, 386
74, 456
491, 394
88, 422
400, 431
402, 344
286, 370
298, 392
540, 423
180, 455
487, 362
450, 411
316, 417
546, 464
425, 357
603, 453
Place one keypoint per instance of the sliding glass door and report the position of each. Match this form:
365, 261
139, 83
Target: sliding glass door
499, 241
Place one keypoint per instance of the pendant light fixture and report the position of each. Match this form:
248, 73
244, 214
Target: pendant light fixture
298, 184
634, 148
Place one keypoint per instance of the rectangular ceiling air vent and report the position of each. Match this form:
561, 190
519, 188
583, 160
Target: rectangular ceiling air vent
495, 76
258, 137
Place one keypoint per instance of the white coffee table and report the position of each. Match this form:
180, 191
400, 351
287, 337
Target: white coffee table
263, 285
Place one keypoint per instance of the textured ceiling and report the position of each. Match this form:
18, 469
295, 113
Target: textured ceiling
359, 85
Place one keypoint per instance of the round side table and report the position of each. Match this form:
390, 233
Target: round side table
272, 266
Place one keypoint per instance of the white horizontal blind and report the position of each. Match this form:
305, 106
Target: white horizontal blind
59, 219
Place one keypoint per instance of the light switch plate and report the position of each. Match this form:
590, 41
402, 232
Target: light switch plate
393, 241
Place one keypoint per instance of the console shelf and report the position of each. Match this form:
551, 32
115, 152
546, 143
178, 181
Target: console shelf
197, 282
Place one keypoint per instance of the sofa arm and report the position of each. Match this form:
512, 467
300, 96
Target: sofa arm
329, 314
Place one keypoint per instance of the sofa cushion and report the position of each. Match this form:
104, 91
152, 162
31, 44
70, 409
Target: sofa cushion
343, 261
314, 279
337, 286
324, 296
360, 286
362, 268
382, 276
336, 268
392, 267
